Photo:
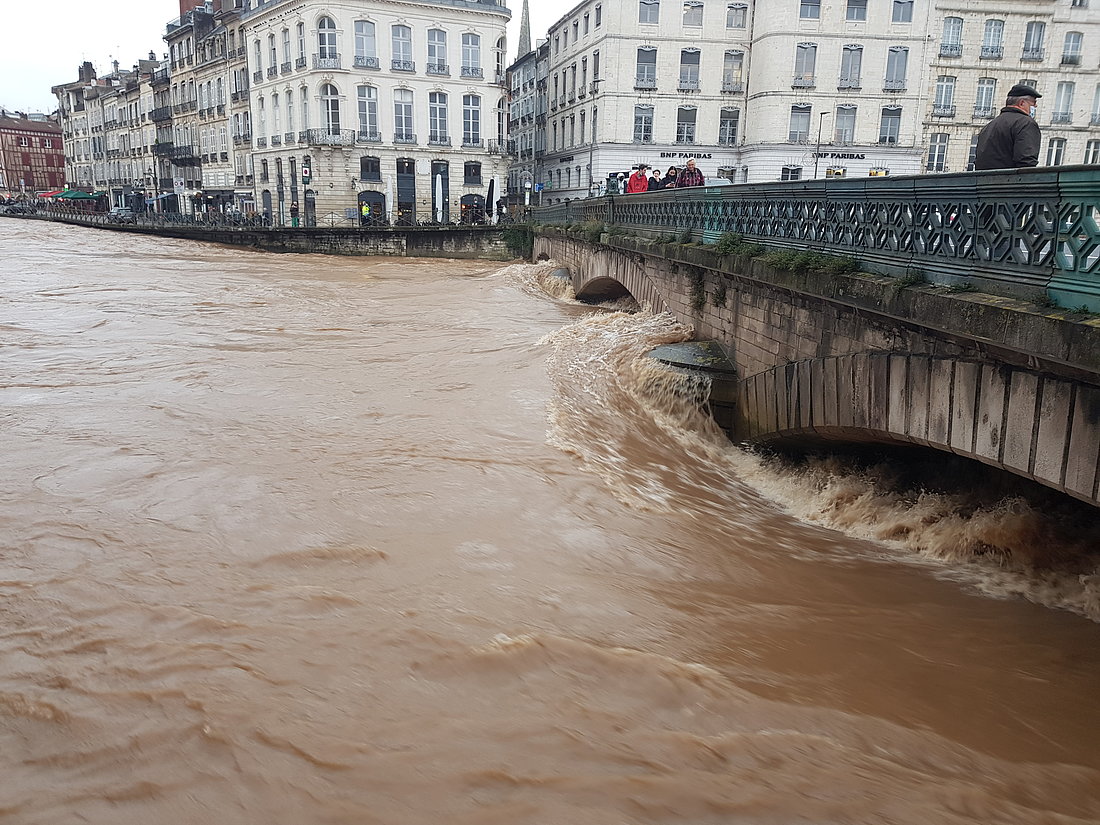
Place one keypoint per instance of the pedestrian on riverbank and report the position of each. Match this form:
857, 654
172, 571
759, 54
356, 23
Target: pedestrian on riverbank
639, 181
655, 182
669, 180
1011, 140
294, 214
690, 176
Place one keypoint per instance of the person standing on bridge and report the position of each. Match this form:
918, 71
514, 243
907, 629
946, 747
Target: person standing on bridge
639, 181
1011, 140
690, 176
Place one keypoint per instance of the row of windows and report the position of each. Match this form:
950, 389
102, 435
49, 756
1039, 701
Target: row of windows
844, 127
25, 141
737, 14
729, 122
1055, 154
993, 40
986, 102
901, 11
366, 48
590, 20
366, 117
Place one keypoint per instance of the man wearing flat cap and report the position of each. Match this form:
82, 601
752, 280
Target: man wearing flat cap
1011, 139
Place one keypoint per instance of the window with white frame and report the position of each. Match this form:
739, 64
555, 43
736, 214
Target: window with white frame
851, 66
367, 97
733, 67
599, 16
1063, 102
937, 152
790, 172
326, 38
685, 124
1092, 152
952, 34
437, 51
985, 101
856, 11
643, 124
902, 12
897, 62
437, 118
646, 67
471, 53
1056, 151
737, 15
1071, 48
402, 45
845, 127
276, 114
471, 120
889, 125
290, 110
693, 13
1095, 114
273, 57
286, 46
805, 61
330, 109
689, 69
301, 41
809, 9
403, 114
1033, 40
799, 131
944, 103
366, 43
728, 123
993, 37
303, 98
649, 11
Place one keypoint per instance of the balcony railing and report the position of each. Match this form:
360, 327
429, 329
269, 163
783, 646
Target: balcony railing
893, 85
299, 63
161, 113
403, 65
688, 84
734, 86
326, 62
438, 69
327, 137
943, 110
497, 147
685, 140
1071, 59
272, 71
951, 49
992, 52
234, 97
438, 140
261, 143
1094, 120
572, 95
1061, 117
290, 137
369, 137
472, 71
984, 112
645, 82
284, 68
366, 61
472, 143
276, 140
1032, 53
404, 137
802, 81
849, 83
258, 77
163, 150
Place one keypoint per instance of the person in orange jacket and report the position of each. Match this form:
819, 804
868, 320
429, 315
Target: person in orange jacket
639, 181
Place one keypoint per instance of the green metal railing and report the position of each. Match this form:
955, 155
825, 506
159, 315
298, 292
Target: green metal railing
1024, 230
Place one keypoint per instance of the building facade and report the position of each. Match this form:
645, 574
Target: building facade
527, 119
32, 154
390, 111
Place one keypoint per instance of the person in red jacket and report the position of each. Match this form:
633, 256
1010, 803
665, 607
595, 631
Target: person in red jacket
639, 181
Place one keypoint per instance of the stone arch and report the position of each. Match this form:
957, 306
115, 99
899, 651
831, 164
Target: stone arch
1034, 425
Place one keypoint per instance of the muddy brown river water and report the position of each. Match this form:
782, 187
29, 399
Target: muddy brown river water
300, 539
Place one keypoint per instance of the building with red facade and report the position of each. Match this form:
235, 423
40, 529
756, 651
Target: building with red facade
32, 158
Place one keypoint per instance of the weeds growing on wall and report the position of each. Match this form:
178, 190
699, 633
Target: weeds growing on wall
718, 297
698, 289
520, 239
732, 243
816, 262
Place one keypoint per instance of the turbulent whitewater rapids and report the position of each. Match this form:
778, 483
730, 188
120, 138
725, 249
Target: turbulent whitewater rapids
295, 539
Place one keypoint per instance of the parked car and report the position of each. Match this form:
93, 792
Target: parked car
121, 214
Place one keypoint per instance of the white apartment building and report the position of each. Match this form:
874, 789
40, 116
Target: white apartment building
984, 48
398, 106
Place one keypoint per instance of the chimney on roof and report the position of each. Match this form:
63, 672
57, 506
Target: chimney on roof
152, 55
86, 72
190, 5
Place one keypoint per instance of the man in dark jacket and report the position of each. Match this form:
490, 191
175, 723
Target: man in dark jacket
1011, 139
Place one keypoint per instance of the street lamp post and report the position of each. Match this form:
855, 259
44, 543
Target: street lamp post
817, 151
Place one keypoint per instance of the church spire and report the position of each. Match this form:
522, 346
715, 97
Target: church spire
524, 31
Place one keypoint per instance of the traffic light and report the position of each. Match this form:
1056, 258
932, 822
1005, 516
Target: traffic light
307, 172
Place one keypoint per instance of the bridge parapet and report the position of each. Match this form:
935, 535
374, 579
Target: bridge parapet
1016, 232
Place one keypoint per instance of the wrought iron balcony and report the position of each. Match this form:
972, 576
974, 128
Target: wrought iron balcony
688, 84
803, 81
234, 97
366, 61
261, 143
272, 71
403, 65
572, 96
257, 77
1071, 59
404, 137
327, 137
368, 137
893, 85
326, 62
943, 110
441, 69
951, 49
276, 140
733, 86
849, 83
161, 114
472, 143
284, 68
163, 150
992, 52
1032, 53
1061, 117
438, 140
290, 137
472, 71
299, 63
645, 82
161, 77
984, 112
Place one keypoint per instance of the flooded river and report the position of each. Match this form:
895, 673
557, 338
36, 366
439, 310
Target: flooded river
299, 539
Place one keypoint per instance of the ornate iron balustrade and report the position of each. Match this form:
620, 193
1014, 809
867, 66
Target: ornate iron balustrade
404, 137
1024, 229
992, 52
441, 69
472, 71
326, 62
366, 61
326, 137
402, 66
951, 49
735, 86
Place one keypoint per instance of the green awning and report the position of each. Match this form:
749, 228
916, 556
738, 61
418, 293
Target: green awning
75, 195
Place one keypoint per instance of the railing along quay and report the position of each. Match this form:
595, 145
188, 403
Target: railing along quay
1022, 230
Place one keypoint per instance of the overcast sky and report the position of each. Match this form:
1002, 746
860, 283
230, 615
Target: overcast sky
126, 30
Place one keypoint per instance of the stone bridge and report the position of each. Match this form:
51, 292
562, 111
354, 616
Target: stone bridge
863, 357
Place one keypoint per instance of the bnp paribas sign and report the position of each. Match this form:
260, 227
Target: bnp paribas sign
686, 155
